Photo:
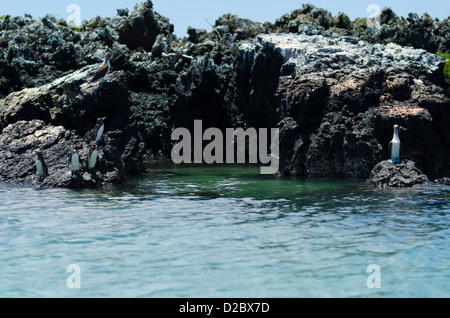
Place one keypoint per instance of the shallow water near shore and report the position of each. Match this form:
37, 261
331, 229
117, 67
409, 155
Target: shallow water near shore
225, 231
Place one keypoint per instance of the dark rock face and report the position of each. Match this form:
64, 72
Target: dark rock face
181, 90
118, 156
334, 97
71, 113
20, 140
196, 35
234, 28
404, 174
263, 68
36, 52
338, 101
142, 26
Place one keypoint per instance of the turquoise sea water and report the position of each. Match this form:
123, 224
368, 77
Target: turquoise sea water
225, 232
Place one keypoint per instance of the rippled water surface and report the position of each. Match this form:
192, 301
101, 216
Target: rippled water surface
225, 232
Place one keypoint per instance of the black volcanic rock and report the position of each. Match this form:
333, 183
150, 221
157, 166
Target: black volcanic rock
334, 86
64, 113
118, 156
65, 102
419, 32
197, 35
142, 26
346, 95
404, 174
443, 181
36, 52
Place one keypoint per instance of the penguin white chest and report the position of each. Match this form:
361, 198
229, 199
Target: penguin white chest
100, 133
93, 159
39, 168
75, 162
395, 150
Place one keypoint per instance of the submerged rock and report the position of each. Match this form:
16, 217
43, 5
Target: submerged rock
443, 181
404, 174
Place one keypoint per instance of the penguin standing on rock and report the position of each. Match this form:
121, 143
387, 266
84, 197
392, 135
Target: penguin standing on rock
74, 161
92, 156
99, 128
395, 146
40, 165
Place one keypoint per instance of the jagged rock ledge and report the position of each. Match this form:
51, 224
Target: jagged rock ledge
19, 141
405, 174
444, 181
59, 115
387, 174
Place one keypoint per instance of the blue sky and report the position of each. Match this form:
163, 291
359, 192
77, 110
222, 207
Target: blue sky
183, 13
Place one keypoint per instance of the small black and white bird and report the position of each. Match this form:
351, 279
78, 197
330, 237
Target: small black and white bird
40, 165
92, 156
74, 161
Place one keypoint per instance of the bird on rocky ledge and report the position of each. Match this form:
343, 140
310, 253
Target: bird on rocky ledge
40, 165
99, 128
92, 156
395, 146
101, 72
74, 161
